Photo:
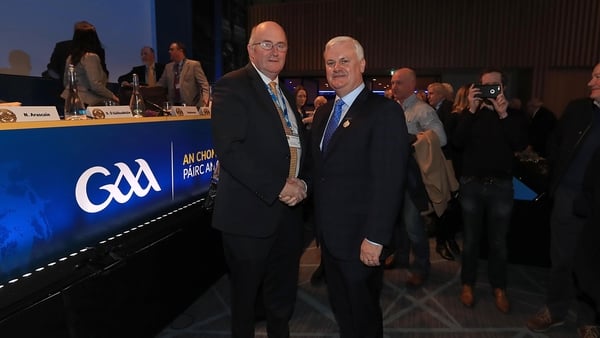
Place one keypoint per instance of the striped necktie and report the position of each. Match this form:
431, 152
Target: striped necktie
286, 127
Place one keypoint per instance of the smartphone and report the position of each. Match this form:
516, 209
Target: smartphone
488, 91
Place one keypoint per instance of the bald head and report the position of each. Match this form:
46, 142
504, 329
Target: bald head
270, 62
404, 82
263, 28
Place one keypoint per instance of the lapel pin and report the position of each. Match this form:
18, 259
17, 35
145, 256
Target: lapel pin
346, 124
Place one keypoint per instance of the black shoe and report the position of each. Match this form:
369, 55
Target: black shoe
453, 247
443, 251
318, 277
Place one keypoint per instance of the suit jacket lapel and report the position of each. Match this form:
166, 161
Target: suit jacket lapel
266, 101
319, 123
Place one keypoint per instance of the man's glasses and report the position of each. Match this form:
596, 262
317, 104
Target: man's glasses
268, 45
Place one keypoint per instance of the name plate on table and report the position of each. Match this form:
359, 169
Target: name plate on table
184, 110
109, 112
28, 114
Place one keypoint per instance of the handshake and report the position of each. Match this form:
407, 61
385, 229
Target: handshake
293, 192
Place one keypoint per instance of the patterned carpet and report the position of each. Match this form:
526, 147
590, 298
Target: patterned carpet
431, 311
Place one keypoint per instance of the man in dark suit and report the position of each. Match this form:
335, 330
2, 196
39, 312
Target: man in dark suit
148, 73
184, 79
571, 147
259, 141
359, 151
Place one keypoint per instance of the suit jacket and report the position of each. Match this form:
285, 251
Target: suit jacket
62, 49
566, 139
359, 182
193, 83
141, 72
91, 81
444, 112
253, 153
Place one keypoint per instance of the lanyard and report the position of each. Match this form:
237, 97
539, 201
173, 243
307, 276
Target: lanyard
283, 109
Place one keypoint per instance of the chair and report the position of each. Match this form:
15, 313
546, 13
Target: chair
153, 96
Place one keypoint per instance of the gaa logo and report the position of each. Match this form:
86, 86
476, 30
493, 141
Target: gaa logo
7, 116
114, 193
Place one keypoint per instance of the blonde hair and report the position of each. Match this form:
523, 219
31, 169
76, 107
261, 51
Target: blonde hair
461, 102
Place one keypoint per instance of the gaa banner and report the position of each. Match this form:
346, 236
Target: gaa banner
63, 188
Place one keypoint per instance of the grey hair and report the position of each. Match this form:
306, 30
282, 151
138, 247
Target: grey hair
357, 47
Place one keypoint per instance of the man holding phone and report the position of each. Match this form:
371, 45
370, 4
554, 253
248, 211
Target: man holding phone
489, 136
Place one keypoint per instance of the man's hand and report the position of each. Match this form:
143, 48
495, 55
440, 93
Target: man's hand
293, 192
474, 100
370, 253
500, 105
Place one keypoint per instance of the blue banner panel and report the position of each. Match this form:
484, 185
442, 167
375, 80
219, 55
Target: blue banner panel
63, 188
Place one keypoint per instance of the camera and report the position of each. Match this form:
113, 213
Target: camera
488, 91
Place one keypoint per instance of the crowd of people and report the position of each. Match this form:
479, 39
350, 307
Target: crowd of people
449, 156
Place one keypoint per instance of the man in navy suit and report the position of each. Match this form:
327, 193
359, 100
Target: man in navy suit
571, 147
148, 73
359, 149
259, 140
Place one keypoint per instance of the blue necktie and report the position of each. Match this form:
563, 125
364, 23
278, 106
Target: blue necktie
334, 121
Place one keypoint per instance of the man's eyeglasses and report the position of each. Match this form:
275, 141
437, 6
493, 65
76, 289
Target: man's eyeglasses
268, 45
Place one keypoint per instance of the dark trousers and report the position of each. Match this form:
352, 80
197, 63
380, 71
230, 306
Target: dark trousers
486, 204
448, 224
587, 274
354, 291
270, 263
565, 229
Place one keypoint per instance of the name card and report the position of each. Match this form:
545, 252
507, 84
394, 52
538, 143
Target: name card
184, 110
109, 112
28, 114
